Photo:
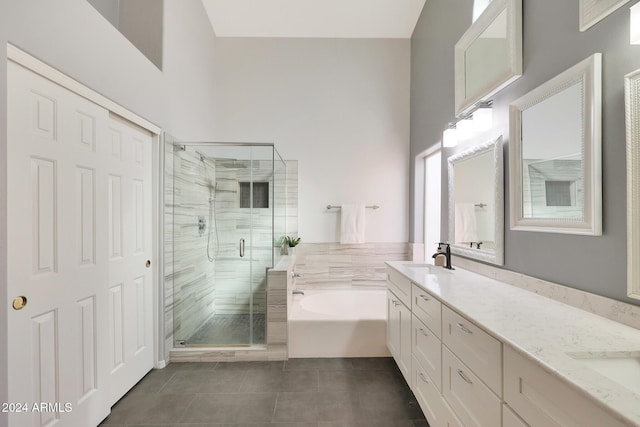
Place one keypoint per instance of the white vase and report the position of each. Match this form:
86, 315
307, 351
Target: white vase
291, 250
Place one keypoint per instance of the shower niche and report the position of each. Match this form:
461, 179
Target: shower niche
225, 215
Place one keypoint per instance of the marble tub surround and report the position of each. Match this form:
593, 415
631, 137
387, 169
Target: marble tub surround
332, 265
549, 333
627, 314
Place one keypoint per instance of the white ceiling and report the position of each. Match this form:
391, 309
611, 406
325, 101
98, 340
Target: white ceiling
314, 18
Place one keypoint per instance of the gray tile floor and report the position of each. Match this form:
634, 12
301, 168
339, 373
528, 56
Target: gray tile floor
361, 392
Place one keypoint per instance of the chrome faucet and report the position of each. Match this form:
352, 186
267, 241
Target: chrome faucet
447, 254
297, 292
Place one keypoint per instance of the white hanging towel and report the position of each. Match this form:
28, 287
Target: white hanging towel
466, 226
352, 224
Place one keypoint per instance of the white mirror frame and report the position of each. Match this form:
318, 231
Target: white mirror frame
632, 117
465, 101
588, 72
496, 256
594, 11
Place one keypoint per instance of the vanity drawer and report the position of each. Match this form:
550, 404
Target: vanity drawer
473, 402
541, 399
400, 285
427, 308
435, 408
427, 395
426, 348
510, 419
470, 398
476, 348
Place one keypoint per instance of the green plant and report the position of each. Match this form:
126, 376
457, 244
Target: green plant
291, 242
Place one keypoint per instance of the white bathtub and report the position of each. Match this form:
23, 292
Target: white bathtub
338, 323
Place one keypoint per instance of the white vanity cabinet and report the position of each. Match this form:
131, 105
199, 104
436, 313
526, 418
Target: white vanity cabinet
399, 321
399, 333
481, 352
510, 419
436, 373
427, 309
428, 395
473, 402
466, 359
426, 350
426, 332
542, 399
400, 286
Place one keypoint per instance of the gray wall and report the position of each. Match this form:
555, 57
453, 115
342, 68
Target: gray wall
552, 43
109, 9
141, 22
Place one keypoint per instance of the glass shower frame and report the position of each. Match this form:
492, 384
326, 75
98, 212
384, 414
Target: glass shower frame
207, 201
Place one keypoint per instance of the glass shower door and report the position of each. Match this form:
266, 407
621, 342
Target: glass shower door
223, 243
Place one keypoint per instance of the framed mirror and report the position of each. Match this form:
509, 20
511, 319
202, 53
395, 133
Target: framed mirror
489, 55
555, 154
594, 11
476, 202
632, 117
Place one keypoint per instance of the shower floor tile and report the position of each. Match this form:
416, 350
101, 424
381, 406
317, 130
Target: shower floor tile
229, 330
359, 392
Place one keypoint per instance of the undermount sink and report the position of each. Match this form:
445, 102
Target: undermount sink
621, 367
420, 268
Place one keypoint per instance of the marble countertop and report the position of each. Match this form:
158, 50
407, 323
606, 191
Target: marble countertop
542, 329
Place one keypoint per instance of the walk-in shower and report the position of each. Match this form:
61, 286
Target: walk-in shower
228, 210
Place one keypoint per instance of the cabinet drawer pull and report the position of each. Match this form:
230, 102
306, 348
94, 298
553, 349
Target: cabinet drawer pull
464, 377
422, 331
463, 328
395, 302
424, 297
423, 378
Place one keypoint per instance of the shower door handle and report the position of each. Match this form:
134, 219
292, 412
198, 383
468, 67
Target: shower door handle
241, 248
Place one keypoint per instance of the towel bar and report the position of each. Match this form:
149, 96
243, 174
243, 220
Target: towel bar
338, 207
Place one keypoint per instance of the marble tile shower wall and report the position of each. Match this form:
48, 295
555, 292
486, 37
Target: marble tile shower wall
332, 265
193, 273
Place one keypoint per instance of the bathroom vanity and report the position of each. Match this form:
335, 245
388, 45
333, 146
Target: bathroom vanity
479, 352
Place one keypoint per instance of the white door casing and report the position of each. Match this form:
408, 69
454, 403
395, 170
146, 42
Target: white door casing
60, 257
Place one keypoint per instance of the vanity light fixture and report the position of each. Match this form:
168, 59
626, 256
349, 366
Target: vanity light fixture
634, 24
483, 118
450, 136
465, 128
478, 120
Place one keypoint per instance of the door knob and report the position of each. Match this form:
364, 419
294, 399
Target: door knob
148, 263
19, 302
